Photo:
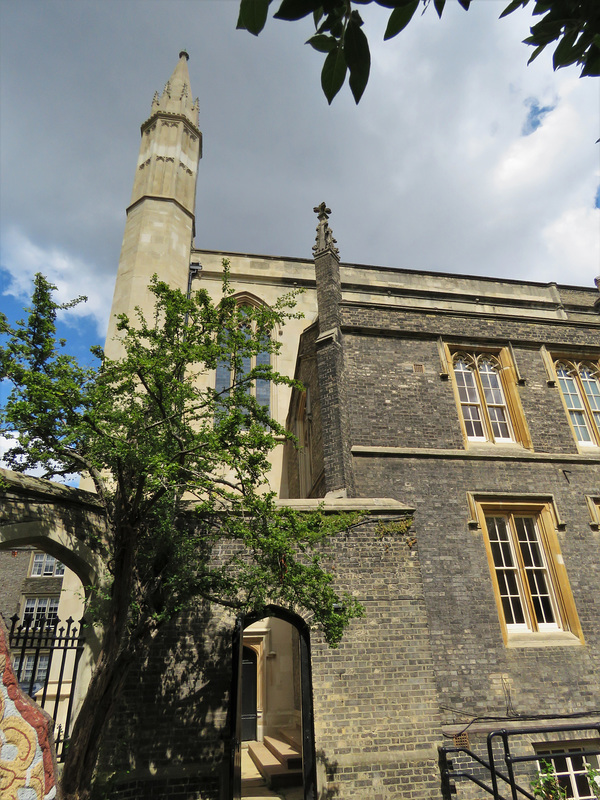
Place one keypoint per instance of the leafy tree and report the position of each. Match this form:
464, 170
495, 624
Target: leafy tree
573, 24
178, 467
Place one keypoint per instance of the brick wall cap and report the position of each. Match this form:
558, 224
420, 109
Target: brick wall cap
374, 505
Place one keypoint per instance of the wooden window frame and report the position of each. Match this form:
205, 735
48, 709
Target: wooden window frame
547, 524
58, 568
574, 365
509, 380
593, 502
550, 752
35, 615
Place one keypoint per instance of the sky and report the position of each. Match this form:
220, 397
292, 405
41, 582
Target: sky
459, 158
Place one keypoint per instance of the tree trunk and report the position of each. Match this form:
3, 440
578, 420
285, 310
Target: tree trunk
97, 708
117, 654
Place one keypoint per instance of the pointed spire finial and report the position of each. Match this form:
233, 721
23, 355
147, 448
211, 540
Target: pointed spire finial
325, 240
176, 96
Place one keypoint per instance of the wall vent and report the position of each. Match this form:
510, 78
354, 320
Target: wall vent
461, 740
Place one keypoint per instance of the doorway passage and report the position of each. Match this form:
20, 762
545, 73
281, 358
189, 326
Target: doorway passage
275, 709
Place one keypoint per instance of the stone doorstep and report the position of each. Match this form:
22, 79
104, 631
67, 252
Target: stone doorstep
288, 754
292, 736
276, 773
251, 777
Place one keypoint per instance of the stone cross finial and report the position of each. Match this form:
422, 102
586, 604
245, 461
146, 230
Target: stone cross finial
325, 240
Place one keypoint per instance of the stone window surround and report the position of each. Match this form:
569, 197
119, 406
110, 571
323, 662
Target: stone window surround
543, 508
223, 376
510, 379
573, 364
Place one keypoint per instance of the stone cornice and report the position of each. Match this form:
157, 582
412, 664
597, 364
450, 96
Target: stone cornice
162, 199
171, 115
491, 453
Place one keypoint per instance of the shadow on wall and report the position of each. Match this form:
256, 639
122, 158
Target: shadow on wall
170, 731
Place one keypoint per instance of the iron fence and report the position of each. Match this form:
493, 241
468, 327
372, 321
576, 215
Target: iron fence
46, 657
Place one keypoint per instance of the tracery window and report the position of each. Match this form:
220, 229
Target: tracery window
260, 388
579, 382
482, 398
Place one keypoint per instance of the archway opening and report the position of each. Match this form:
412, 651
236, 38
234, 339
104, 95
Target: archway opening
275, 731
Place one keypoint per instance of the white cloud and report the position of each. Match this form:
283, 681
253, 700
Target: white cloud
573, 239
7, 444
73, 277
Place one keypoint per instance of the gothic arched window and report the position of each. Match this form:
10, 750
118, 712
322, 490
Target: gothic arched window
482, 397
225, 377
580, 386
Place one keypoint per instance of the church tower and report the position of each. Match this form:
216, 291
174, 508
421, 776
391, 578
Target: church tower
160, 218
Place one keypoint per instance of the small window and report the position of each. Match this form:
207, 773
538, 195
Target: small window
46, 566
40, 610
570, 761
579, 383
24, 672
487, 397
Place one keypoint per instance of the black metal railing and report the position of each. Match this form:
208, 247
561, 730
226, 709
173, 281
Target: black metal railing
498, 771
47, 652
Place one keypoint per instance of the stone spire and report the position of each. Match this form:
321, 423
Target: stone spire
160, 217
325, 240
177, 95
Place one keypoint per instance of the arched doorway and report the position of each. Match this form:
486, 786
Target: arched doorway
272, 680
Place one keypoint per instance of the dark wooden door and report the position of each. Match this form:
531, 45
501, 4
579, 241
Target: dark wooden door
249, 674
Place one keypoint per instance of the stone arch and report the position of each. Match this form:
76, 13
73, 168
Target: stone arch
56, 541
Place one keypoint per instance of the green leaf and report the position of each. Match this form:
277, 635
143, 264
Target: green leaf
591, 66
536, 52
296, 9
333, 73
399, 19
439, 6
253, 15
322, 42
391, 3
358, 58
513, 7
565, 52
465, 4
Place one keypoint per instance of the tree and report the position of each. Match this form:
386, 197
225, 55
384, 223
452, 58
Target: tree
177, 467
573, 24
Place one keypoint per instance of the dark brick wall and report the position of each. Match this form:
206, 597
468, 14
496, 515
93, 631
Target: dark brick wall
169, 736
14, 565
466, 328
375, 699
469, 653
393, 406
